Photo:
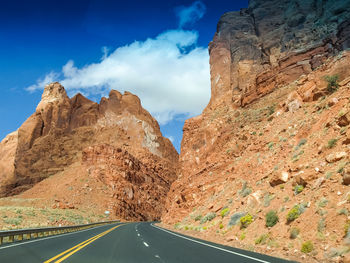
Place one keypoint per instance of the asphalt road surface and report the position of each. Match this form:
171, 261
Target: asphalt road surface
126, 243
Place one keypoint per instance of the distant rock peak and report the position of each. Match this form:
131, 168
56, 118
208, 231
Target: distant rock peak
53, 137
53, 92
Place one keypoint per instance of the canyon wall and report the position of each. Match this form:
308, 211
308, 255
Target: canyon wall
274, 124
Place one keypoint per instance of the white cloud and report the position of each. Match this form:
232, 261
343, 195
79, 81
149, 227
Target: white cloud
188, 15
50, 77
170, 73
168, 81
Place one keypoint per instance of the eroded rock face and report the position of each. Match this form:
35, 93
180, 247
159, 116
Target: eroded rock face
139, 186
272, 43
8, 148
273, 135
54, 137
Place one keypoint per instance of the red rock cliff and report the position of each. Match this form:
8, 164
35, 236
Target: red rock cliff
273, 125
55, 136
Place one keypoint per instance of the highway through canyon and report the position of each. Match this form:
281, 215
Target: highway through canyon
126, 243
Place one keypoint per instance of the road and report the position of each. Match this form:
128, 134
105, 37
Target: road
126, 243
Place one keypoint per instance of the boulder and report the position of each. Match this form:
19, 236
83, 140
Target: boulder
346, 176
279, 178
334, 157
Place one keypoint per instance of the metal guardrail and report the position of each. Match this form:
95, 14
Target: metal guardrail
26, 234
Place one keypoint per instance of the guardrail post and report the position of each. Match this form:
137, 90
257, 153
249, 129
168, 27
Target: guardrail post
1, 240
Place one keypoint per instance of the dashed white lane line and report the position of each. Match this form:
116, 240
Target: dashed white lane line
138, 234
145, 244
219, 248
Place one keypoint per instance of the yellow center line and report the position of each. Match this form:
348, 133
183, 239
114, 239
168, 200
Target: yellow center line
79, 246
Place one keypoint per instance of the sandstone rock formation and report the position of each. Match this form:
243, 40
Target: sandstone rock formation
263, 141
8, 148
55, 136
272, 43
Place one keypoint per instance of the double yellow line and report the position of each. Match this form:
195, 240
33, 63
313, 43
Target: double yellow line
71, 251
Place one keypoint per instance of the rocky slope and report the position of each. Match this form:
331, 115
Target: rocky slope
62, 138
274, 136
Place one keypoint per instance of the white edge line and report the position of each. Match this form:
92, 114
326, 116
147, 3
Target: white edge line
222, 249
145, 244
40, 239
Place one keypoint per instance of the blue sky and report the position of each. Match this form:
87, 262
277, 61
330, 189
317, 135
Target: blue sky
155, 49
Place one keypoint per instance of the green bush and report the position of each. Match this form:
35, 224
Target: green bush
294, 213
271, 109
332, 143
332, 83
346, 228
307, 247
198, 218
208, 217
270, 145
246, 221
221, 226
224, 212
271, 218
298, 189
323, 202
294, 232
302, 142
262, 239
321, 225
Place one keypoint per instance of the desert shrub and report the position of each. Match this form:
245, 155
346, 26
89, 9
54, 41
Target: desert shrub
267, 199
321, 225
221, 226
294, 232
208, 217
242, 236
307, 247
294, 213
302, 142
341, 167
298, 189
235, 218
346, 228
343, 211
328, 175
13, 221
331, 143
271, 218
323, 202
224, 212
270, 145
271, 109
198, 218
332, 83
262, 239
246, 221
245, 191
